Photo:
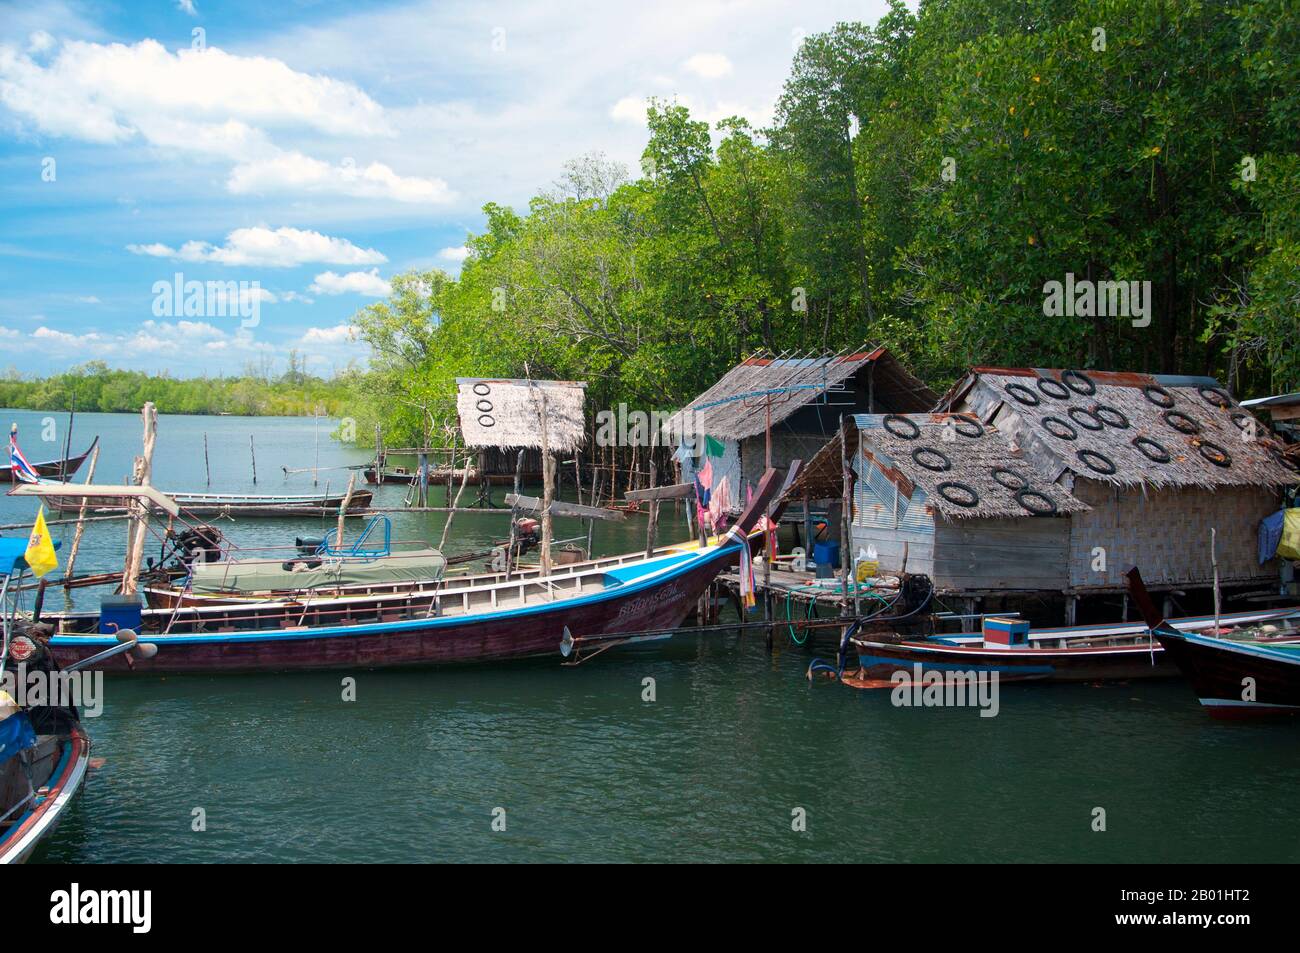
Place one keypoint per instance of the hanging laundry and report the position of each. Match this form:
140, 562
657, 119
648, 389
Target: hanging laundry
1270, 535
746, 574
1289, 546
706, 474
713, 447
720, 502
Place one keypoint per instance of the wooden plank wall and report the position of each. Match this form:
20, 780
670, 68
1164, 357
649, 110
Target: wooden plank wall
1023, 553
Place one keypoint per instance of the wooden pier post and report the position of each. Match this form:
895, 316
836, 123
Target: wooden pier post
343, 508
451, 514
81, 523
379, 456
207, 470
252, 452
846, 519
548, 489
142, 476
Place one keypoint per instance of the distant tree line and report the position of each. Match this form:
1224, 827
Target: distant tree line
924, 179
97, 387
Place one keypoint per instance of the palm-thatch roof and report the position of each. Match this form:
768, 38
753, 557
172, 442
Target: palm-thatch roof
966, 470
736, 406
1123, 429
508, 413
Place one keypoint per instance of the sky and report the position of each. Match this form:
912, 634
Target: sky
189, 186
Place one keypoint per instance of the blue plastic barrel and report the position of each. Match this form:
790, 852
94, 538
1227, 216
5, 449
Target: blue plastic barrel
826, 553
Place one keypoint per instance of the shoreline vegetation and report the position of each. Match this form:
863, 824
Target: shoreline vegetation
925, 184
97, 388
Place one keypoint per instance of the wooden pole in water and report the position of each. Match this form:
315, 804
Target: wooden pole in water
143, 475
207, 470
81, 522
464, 478
379, 456
343, 508
252, 452
653, 525
846, 525
1214, 561
548, 490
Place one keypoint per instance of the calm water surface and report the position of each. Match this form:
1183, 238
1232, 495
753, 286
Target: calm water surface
284, 770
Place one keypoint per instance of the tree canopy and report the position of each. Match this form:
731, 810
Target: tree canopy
924, 180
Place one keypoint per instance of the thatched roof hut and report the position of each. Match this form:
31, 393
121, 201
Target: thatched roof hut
803, 396
1123, 429
1046, 480
504, 414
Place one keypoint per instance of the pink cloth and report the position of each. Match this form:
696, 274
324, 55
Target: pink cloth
706, 475
720, 502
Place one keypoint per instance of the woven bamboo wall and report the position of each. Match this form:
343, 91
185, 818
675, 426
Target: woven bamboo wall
1166, 534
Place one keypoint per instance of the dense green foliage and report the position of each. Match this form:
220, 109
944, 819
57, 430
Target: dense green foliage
925, 178
96, 387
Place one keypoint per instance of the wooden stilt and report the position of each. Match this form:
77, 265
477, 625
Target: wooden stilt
142, 476
81, 523
343, 509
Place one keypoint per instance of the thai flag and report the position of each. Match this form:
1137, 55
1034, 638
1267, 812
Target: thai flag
21, 468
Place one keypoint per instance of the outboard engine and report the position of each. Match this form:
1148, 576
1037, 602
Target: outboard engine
308, 545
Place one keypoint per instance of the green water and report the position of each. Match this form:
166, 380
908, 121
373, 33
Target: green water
735, 741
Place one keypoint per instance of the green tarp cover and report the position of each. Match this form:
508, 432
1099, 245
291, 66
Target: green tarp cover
258, 575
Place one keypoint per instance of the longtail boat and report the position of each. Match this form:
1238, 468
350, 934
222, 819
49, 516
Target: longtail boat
232, 504
64, 468
44, 749
1083, 653
1232, 678
466, 620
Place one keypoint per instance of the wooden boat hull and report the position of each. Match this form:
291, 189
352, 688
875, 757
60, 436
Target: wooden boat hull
1136, 656
437, 477
880, 660
1237, 679
21, 841
52, 468
659, 599
214, 505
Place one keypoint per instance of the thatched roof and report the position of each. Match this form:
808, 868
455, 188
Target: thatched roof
736, 406
508, 413
952, 459
1123, 429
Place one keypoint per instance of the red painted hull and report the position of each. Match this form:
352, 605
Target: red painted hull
881, 660
52, 468
534, 632
1218, 673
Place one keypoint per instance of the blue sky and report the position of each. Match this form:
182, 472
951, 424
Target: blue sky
315, 149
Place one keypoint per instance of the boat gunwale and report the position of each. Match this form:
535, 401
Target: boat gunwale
681, 565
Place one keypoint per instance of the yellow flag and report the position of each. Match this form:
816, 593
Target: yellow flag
40, 548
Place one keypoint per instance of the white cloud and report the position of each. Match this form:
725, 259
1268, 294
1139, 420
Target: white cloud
354, 282
458, 253
179, 339
630, 109
108, 92
708, 65
88, 299
39, 42
295, 172
187, 6
272, 248
339, 334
